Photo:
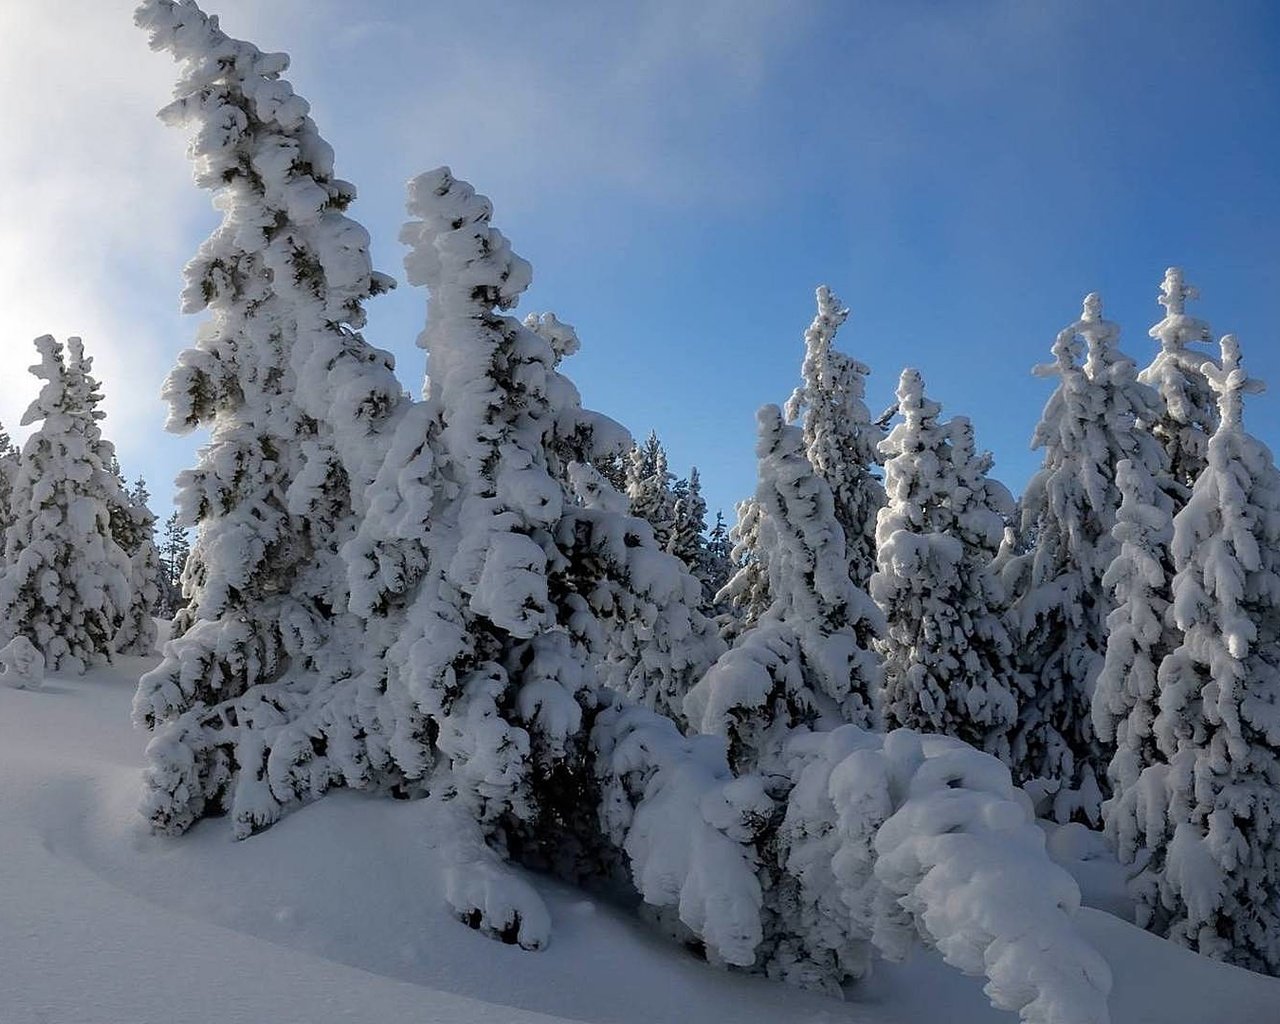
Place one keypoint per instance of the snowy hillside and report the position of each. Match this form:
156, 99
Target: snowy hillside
336, 914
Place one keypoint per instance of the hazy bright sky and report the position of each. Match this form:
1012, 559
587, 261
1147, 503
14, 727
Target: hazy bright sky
682, 175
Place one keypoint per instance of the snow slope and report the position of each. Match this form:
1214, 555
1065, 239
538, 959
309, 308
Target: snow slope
335, 915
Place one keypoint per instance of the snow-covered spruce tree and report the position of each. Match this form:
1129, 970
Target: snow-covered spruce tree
1139, 635
839, 436
65, 584
949, 658
862, 840
1211, 816
498, 597
746, 591
1091, 422
688, 521
298, 406
649, 486
1189, 409
801, 663
133, 527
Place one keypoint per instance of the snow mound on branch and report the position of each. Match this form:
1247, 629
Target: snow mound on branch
934, 843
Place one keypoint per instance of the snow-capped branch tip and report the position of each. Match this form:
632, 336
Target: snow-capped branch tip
451, 222
1174, 291
1066, 355
1095, 328
194, 37
832, 313
1230, 381
912, 403
1177, 328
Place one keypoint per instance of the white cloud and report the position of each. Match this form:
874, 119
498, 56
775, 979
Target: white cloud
93, 202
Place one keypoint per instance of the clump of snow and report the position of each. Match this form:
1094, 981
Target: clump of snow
22, 664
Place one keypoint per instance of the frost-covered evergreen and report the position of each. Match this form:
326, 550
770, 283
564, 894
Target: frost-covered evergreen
949, 658
1189, 409
840, 438
688, 522
801, 663
746, 591
649, 486
1091, 422
133, 527
1211, 815
504, 597
298, 406
1139, 635
66, 583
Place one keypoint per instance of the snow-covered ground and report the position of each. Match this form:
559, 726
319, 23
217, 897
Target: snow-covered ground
335, 914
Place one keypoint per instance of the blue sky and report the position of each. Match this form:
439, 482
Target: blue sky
682, 176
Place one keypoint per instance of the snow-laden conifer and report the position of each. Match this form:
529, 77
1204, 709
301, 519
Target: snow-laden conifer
1139, 635
296, 403
501, 575
840, 438
949, 658
65, 584
649, 486
1211, 816
801, 663
1188, 413
689, 522
745, 592
133, 527
1091, 422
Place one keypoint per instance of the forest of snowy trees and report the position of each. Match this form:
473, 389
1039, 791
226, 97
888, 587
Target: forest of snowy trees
815, 738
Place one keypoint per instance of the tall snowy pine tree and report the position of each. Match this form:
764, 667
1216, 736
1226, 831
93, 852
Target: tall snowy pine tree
512, 597
299, 407
1189, 408
801, 663
1091, 422
949, 658
840, 438
1211, 816
133, 527
1139, 636
649, 486
66, 583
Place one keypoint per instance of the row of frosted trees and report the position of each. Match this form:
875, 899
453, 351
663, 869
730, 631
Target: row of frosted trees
449, 598
1114, 638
